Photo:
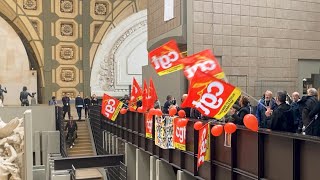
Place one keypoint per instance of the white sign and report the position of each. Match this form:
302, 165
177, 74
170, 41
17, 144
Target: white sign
168, 10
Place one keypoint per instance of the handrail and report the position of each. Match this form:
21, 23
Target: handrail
88, 161
60, 127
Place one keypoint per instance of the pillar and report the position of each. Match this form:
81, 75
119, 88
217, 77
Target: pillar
164, 171
152, 168
130, 160
28, 147
184, 176
142, 165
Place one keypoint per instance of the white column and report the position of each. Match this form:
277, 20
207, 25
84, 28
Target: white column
142, 165
152, 168
184, 176
28, 152
164, 171
130, 160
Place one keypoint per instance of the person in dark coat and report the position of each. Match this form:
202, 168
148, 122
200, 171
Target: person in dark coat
282, 117
315, 114
170, 101
66, 105
87, 103
295, 108
94, 100
72, 128
265, 101
79, 103
24, 96
1, 93
306, 104
244, 110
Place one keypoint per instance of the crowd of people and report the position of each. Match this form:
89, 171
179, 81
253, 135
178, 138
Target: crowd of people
280, 112
80, 104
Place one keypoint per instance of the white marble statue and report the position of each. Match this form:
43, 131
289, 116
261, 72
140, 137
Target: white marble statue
11, 149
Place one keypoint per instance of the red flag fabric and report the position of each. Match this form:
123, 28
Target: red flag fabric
205, 61
165, 58
152, 93
179, 134
136, 94
145, 96
110, 107
212, 97
202, 144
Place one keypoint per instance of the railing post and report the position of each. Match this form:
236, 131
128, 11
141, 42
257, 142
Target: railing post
260, 155
296, 159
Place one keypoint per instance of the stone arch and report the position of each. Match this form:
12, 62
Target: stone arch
15, 16
120, 56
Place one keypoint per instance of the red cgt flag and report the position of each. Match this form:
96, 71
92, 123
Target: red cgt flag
110, 107
145, 96
152, 93
136, 94
165, 58
212, 97
205, 61
202, 144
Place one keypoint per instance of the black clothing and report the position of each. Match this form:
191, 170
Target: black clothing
306, 104
24, 98
282, 118
79, 105
166, 106
72, 128
86, 106
296, 115
66, 106
1, 94
314, 128
94, 101
238, 117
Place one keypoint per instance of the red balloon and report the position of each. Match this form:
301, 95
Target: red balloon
158, 112
198, 125
131, 108
230, 128
172, 111
152, 111
217, 130
140, 109
251, 122
182, 114
123, 110
182, 122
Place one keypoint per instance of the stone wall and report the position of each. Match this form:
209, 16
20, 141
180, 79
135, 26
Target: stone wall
260, 41
156, 24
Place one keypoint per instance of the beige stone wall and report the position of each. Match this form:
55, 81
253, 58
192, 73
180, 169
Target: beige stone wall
260, 41
156, 25
14, 65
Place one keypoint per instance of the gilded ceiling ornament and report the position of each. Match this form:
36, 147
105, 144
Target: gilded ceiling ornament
66, 29
30, 4
66, 6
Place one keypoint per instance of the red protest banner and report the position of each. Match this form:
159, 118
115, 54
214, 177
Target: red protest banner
136, 94
179, 136
205, 61
202, 144
212, 97
110, 107
165, 58
148, 125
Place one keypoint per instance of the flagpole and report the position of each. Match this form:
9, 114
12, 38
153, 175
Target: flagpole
254, 99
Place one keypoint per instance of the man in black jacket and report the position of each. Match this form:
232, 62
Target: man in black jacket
306, 104
79, 105
72, 128
66, 105
315, 114
87, 103
282, 117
